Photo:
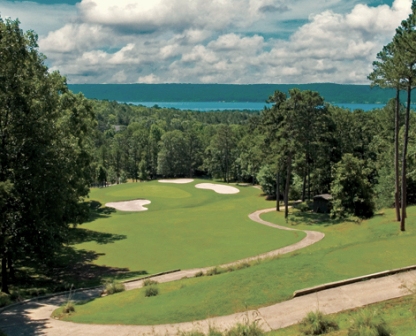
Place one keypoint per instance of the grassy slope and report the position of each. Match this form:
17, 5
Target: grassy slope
184, 228
349, 249
397, 313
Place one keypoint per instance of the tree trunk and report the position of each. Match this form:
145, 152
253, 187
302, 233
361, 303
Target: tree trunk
309, 183
304, 186
4, 279
396, 155
10, 267
404, 162
277, 191
289, 171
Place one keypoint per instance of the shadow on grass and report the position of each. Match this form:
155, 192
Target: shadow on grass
78, 236
98, 212
69, 268
312, 218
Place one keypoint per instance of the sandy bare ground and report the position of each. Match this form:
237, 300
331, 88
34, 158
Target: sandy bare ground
34, 318
177, 181
136, 205
218, 188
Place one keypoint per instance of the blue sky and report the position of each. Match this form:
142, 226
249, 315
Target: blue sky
216, 41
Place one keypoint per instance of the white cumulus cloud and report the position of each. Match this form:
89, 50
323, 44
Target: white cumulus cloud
222, 41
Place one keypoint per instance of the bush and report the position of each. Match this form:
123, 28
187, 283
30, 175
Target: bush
303, 207
69, 307
215, 271
267, 180
149, 282
245, 329
151, 291
4, 299
199, 274
114, 287
368, 323
316, 323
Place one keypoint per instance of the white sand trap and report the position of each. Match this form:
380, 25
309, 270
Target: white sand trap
178, 181
218, 188
136, 205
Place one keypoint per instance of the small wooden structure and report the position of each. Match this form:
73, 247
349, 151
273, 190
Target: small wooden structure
322, 203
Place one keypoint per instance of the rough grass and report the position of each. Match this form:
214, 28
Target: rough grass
185, 227
348, 250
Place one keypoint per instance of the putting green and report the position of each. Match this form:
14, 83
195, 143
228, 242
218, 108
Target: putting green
185, 227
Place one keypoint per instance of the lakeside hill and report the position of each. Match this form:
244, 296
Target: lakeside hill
333, 93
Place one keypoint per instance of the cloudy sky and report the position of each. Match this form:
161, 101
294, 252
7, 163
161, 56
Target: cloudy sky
210, 41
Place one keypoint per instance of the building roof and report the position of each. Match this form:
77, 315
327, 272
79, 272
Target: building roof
327, 197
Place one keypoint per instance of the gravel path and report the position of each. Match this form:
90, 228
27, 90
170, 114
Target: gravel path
33, 318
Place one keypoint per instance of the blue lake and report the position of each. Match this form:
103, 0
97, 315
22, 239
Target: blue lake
222, 106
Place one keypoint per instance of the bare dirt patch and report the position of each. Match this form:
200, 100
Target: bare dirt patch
136, 205
177, 181
218, 188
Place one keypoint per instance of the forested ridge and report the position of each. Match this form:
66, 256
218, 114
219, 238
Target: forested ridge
333, 93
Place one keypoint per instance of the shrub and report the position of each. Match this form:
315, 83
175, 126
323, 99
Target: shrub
113, 287
69, 307
151, 291
368, 323
302, 207
316, 323
199, 274
4, 299
245, 329
149, 282
215, 271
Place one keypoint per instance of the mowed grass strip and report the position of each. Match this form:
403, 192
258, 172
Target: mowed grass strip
185, 227
349, 249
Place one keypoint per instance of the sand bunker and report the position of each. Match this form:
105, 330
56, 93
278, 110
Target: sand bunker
136, 205
218, 188
178, 181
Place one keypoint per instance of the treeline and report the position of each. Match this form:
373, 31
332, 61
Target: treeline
299, 147
333, 93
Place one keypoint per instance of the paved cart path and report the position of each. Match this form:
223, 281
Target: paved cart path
33, 318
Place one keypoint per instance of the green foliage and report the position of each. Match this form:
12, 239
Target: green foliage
149, 282
113, 287
240, 329
267, 180
69, 307
368, 322
303, 207
5, 299
45, 162
151, 291
214, 271
351, 189
245, 329
316, 323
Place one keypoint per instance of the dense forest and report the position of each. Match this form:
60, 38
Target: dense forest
325, 144
333, 93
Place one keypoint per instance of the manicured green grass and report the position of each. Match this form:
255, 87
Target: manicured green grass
396, 313
185, 227
348, 250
